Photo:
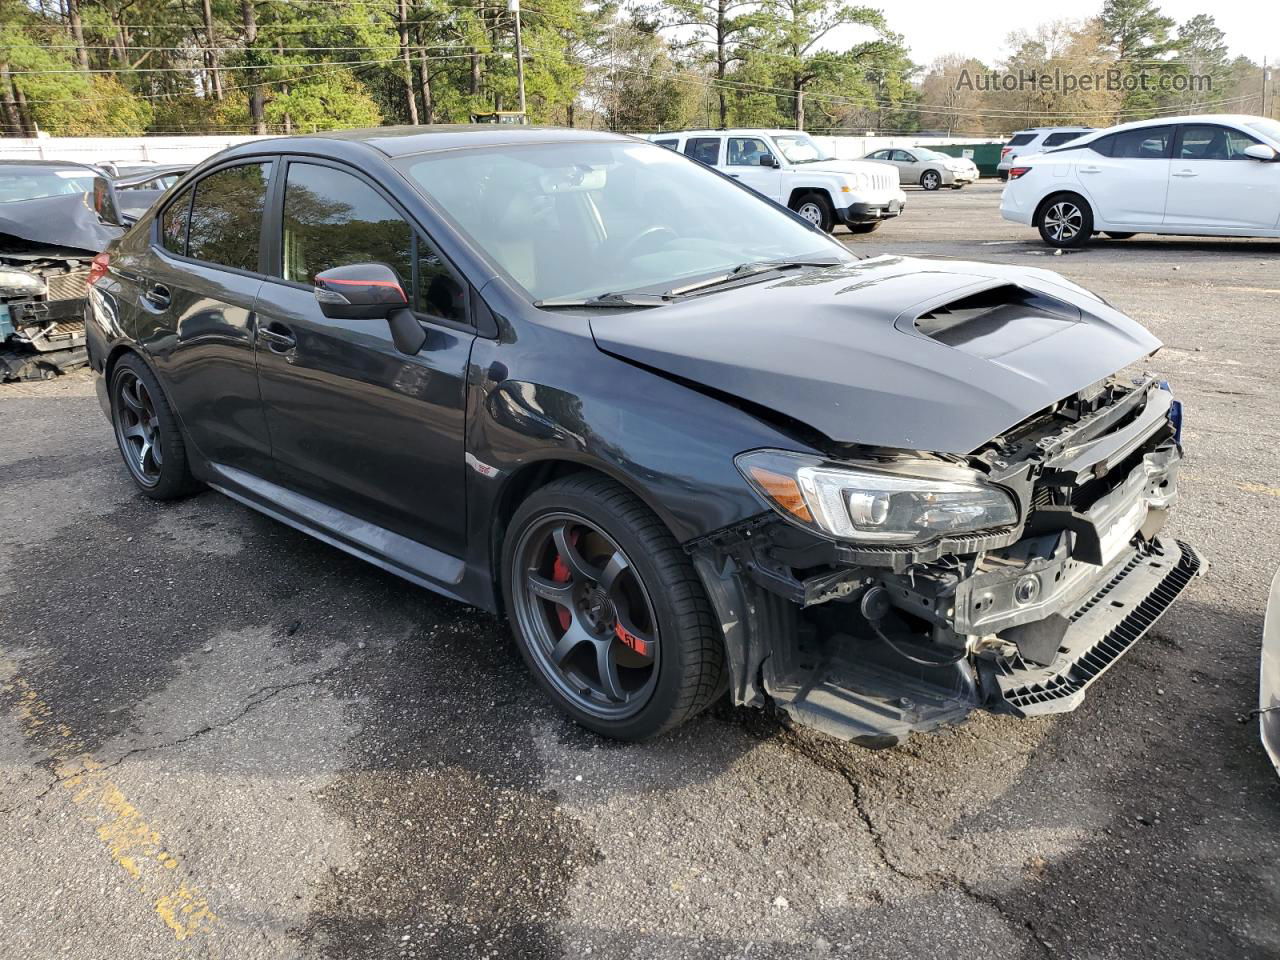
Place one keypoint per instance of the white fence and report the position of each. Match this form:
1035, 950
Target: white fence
193, 149
161, 150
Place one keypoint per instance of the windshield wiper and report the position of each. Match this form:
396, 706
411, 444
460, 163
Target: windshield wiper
749, 269
615, 300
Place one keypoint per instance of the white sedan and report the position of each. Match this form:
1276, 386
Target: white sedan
1212, 176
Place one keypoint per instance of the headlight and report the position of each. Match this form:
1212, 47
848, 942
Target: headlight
877, 504
19, 283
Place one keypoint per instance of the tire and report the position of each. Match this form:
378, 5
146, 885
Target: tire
1118, 236
815, 208
591, 576
871, 226
1065, 221
931, 180
147, 432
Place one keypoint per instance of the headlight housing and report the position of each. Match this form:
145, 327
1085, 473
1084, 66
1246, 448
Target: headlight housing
19, 283
875, 503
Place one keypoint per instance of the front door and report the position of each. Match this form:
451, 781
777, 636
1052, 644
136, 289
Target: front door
909, 166
355, 423
196, 291
1213, 184
743, 158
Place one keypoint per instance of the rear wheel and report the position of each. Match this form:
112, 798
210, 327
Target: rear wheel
1065, 221
931, 180
147, 432
607, 610
815, 208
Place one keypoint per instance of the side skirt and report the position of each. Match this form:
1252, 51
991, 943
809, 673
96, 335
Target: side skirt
413, 561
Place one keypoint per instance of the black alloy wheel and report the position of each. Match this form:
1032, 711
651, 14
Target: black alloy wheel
608, 611
588, 619
147, 432
137, 426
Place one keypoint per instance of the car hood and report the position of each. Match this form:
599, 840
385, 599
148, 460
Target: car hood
66, 220
845, 350
845, 167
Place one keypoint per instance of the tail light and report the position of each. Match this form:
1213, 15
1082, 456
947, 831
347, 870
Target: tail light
1016, 172
98, 268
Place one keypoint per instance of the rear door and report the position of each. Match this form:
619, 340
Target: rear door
742, 161
704, 149
196, 290
1126, 175
355, 423
1213, 184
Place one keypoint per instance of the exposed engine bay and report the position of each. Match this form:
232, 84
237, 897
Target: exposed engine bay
42, 297
873, 642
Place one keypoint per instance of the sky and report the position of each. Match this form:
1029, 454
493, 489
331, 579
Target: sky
933, 28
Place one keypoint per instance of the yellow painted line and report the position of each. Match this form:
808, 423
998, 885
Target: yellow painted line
135, 845
1260, 488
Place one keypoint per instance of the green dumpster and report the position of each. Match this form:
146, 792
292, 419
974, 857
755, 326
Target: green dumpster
985, 155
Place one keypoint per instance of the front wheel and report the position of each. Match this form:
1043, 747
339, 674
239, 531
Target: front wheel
931, 180
608, 611
815, 208
871, 226
1065, 221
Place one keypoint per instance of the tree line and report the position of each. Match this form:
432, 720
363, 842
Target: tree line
127, 67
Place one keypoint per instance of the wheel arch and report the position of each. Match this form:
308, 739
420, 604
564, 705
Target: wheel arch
1055, 194
527, 479
798, 192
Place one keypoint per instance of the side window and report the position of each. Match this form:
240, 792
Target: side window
1207, 141
173, 224
439, 293
878, 155
746, 151
226, 216
1020, 140
1104, 145
1055, 139
901, 156
669, 144
703, 149
1145, 143
333, 219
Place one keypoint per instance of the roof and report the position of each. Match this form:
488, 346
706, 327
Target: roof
46, 163
405, 140
732, 131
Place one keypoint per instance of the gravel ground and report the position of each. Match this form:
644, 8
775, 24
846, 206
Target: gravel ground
219, 738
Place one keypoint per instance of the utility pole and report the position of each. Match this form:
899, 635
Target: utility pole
1262, 110
514, 7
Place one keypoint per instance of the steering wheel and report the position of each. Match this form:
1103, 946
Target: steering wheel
646, 236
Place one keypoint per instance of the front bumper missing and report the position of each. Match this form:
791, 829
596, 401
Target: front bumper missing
871, 646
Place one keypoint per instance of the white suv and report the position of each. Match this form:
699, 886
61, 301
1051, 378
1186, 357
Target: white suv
1035, 140
788, 167
1188, 176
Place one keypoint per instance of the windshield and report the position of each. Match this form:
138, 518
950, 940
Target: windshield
1268, 128
33, 182
932, 154
577, 220
800, 148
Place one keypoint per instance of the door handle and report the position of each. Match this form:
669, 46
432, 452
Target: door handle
1186, 173
736, 176
277, 337
158, 295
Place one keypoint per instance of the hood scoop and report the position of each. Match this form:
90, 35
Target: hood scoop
996, 321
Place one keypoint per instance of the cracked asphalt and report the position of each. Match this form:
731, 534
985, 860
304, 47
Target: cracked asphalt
219, 738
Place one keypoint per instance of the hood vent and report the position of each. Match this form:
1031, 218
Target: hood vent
996, 321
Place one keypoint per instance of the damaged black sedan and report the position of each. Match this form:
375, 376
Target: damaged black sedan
683, 440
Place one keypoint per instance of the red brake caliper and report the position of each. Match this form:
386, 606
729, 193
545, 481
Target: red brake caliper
560, 574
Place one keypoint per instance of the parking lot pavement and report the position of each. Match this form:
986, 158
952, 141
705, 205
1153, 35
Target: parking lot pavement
219, 738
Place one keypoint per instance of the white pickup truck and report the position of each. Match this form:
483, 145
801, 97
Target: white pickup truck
788, 167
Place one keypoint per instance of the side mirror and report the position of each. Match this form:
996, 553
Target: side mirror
1260, 151
769, 160
359, 291
105, 204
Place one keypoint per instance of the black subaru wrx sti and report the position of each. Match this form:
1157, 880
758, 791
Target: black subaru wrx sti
683, 440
